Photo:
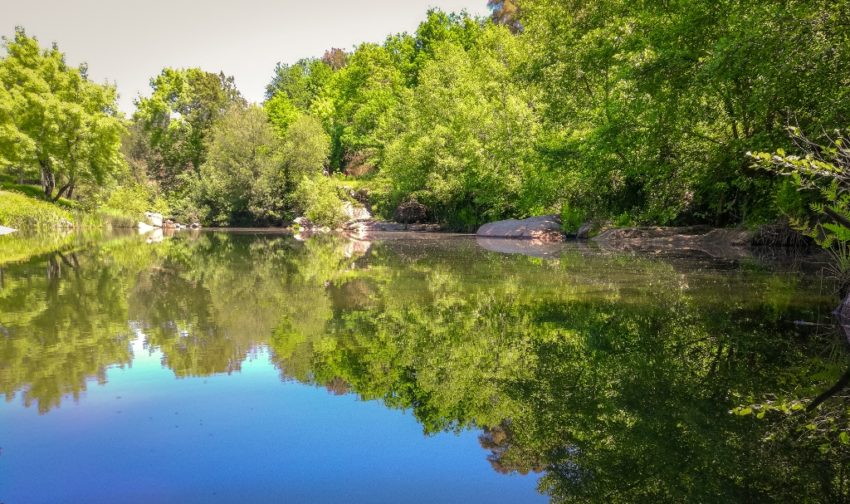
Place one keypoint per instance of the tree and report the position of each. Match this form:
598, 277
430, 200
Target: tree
241, 180
505, 12
178, 116
468, 136
55, 122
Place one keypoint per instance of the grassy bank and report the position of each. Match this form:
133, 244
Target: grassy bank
21, 211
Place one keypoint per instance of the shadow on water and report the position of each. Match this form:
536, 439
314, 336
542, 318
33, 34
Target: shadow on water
620, 377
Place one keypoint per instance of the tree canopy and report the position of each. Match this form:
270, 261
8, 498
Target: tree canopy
56, 125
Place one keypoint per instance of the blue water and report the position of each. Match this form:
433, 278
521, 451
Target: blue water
249, 436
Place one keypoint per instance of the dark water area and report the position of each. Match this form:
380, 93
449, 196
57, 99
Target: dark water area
223, 367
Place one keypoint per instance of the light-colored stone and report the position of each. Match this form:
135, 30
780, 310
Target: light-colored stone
355, 213
6, 230
154, 219
546, 228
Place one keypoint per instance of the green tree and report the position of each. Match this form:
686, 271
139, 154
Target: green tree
468, 143
178, 117
242, 179
56, 124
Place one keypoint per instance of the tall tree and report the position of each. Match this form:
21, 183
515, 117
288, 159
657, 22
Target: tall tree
54, 121
178, 116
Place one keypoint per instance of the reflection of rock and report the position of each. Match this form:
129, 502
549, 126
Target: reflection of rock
544, 228
842, 313
356, 248
6, 230
534, 248
145, 228
155, 236
352, 295
726, 243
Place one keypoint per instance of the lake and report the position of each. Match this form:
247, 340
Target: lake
250, 366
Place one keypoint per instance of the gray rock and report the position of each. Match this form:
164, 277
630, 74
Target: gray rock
546, 228
584, 231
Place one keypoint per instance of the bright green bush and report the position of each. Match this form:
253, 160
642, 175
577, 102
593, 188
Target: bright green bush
319, 200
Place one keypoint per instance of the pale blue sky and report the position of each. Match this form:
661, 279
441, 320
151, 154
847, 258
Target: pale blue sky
127, 41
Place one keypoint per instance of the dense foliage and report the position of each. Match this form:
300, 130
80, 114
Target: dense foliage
56, 126
612, 110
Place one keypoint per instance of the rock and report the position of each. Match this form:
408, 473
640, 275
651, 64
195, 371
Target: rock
411, 212
546, 228
303, 223
6, 230
154, 219
355, 213
195, 225
584, 231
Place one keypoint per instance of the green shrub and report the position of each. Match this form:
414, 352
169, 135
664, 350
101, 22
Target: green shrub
571, 219
319, 200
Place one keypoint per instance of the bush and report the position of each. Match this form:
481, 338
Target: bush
411, 211
571, 219
319, 201
128, 204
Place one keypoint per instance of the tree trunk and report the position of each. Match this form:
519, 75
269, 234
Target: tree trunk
48, 180
840, 385
62, 190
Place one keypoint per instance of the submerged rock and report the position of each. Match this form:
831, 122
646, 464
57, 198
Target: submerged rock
6, 230
715, 242
546, 228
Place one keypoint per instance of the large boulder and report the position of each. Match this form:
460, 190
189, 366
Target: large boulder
6, 230
546, 228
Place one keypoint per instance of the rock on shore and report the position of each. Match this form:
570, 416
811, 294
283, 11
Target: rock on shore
6, 230
546, 228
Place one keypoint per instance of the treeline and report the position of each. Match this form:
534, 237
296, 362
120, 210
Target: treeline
634, 112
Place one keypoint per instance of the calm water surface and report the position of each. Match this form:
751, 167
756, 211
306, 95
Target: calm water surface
224, 367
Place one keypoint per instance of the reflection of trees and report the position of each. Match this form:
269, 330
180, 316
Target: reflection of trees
64, 320
613, 375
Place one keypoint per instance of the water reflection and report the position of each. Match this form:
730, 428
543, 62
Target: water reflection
619, 377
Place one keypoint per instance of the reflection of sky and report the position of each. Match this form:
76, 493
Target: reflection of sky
148, 437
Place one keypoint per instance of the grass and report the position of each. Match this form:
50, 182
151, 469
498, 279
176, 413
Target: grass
21, 211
